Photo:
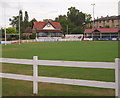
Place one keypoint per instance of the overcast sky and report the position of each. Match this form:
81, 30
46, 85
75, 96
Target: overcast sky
49, 9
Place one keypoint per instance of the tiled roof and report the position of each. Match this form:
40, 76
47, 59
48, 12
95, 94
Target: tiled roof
102, 30
40, 25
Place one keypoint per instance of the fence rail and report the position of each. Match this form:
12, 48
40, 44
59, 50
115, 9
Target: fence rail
107, 65
60, 80
35, 78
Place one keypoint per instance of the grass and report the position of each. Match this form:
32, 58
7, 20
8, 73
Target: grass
24, 88
63, 72
102, 51
98, 51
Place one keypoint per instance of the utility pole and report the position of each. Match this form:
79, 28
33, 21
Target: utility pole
93, 14
5, 24
19, 26
93, 19
67, 29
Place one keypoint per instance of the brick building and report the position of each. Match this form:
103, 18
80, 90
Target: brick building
105, 22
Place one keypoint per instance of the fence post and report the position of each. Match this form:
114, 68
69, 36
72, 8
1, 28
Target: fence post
35, 75
117, 78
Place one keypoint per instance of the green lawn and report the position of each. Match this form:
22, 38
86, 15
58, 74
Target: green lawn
24, 88
63, 72
71, 51
99, 51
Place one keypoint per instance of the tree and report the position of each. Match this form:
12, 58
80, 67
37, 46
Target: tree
23, 22
107, 26
75, 20
77, 17
88, 17
14, 21
2, 33
26, 18
30, 24
78, 30
11, 30
64, 21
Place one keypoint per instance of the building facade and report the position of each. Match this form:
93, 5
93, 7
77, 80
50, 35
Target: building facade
47, 29
102, 34
105, 22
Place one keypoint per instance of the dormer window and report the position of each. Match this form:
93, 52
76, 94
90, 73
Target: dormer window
48, 25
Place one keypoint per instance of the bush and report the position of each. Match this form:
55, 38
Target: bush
78, 30
33, 36
23, 36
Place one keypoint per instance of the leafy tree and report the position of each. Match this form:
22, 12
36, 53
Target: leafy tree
75, 20
26, 18
107, 26
2, 33
23, 22
30, 24
64, 21
33, 36
88, 17
11, 30
14, 21
78, 30
77, 17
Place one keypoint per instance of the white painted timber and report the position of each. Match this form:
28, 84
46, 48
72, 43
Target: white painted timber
35, 75
108, 65
48, 27
61, 80
117, 78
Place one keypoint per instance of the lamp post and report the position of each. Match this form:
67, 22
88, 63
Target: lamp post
67, 29
5, 24
93, 11
93, 18
19, 26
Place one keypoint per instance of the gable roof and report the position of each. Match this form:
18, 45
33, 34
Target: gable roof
102, 30
40, 25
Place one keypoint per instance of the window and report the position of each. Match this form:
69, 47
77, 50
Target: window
107, 20
48, 25
100, 27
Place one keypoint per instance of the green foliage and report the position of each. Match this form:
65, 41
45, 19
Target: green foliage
30, 24
77, 30
107, 26
11, 30
33, 36
88, 17
66, 22
24, 36
23, 22
77, 17
2, 33
74, 21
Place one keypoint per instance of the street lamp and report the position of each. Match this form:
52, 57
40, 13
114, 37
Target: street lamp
93, 19
19, 26
67, 29
93, 13
5, 23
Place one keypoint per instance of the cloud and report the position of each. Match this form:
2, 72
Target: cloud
42, 9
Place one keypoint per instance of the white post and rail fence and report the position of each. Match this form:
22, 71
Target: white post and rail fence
35, 78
